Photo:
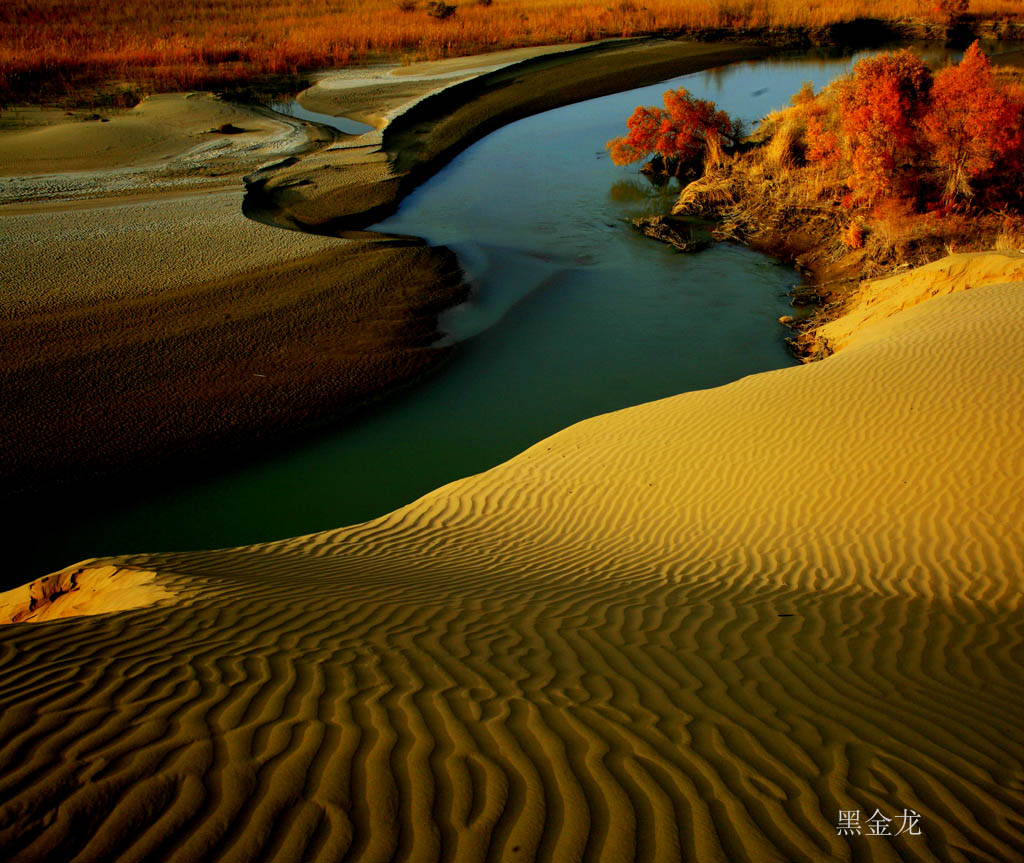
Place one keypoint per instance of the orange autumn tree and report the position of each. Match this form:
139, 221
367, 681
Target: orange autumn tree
880, 108
972, 125
686, 130
892, 159
821, 141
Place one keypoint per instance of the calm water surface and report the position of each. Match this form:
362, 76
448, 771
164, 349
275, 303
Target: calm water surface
572, 314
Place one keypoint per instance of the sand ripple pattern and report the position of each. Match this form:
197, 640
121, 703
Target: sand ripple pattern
690, 631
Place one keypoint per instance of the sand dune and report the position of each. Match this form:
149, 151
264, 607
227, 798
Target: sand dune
880, 299
691, 630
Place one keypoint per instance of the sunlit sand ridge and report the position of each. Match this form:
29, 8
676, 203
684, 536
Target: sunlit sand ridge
696, 629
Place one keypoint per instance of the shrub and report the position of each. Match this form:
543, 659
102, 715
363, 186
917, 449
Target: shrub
1011, 235
950, 11
682, 132
440, 10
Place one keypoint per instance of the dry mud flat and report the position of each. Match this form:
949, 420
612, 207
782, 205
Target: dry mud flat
696, 629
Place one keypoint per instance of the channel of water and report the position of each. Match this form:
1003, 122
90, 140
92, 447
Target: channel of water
572, 314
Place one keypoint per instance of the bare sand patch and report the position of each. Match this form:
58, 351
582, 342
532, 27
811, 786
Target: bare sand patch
81, 590
377, 94
695, 629
878, 299
132, 248
169, 140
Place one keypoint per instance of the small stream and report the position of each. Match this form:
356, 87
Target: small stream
292, 108
572, 314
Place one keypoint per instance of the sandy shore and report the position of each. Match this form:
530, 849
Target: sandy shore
146, 319
172, 142
123, 346
692, 630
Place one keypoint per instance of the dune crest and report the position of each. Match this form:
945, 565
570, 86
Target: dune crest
698, 629
83, 589
878, 299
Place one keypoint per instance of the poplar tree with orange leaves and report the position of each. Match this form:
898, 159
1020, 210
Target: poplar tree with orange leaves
683, 132
972, 125
880, 110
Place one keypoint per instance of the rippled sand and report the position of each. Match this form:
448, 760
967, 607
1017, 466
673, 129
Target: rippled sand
691, 630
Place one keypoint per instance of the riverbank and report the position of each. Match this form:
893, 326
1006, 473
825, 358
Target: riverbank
698, 627
340, 191
811, 187
150, 322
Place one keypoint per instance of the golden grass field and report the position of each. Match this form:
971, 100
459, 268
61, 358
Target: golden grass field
180, 44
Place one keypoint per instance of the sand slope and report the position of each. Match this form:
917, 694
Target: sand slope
879, 299
692, 630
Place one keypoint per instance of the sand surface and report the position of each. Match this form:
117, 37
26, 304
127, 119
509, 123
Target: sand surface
879, 299
159, 330
377, 94
691, 630
145, 318
168, 142
81, 590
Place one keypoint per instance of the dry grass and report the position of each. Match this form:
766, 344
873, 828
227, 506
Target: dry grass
894, 230
1011, 235
784, 147
49, 46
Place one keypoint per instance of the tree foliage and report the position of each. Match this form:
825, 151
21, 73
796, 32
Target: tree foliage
880, 109
971, 125
893, 159
685, 130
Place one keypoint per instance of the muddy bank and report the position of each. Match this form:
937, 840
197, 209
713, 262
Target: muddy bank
221, 367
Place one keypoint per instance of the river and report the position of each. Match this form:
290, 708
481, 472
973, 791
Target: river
572, 313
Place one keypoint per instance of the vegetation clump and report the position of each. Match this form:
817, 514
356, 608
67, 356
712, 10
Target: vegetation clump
684, 135
440, 10
893, 165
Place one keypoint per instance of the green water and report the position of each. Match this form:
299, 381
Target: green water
572, 314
